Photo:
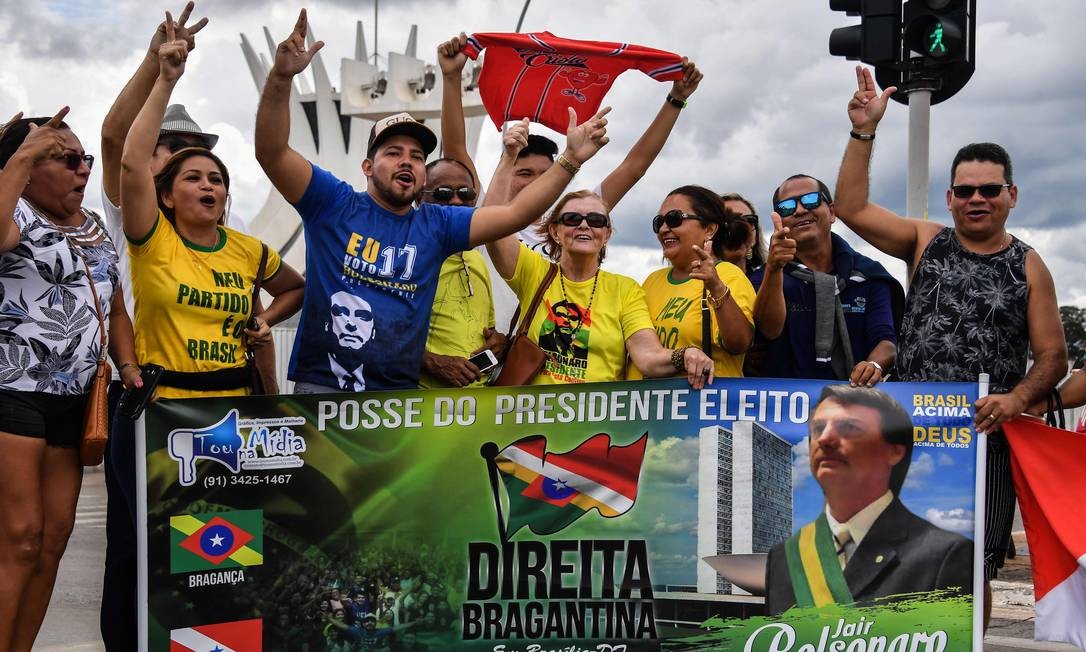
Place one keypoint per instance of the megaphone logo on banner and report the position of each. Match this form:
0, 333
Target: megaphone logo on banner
221, 443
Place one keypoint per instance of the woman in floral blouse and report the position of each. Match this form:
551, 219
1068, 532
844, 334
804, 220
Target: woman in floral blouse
50, 342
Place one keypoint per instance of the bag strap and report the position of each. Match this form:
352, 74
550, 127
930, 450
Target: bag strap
706, 325
1054, 414
534, 305
97, 304
249, 353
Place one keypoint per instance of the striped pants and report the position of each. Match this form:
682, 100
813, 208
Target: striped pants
998, 505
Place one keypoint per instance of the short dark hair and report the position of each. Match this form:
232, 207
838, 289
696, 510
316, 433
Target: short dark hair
540, 145
444, 159
822, 188
731, 231
15, 135
758, 252
896, 426
165, 178
988, 152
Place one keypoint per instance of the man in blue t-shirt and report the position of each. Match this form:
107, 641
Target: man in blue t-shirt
823, 310
377, 246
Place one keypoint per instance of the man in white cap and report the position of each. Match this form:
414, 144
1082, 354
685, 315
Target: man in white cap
377, 244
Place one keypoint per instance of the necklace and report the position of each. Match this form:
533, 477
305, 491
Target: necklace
467, 274
591, 298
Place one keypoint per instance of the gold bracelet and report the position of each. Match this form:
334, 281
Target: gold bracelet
127, 364
568, 165
717, 302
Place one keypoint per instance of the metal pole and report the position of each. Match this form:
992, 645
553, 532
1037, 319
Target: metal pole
375, 50
916, 199
522, 12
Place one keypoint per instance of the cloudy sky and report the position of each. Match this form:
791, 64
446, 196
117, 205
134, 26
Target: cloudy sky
772, 103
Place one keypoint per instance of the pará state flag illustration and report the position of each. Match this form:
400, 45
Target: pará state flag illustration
236, 636
211, 541
549, 491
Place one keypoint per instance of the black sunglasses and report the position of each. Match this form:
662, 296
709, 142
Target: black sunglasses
596, 220
72, 161
445, 193
175, 144
988, 190
750, 218
810, 201
673, 219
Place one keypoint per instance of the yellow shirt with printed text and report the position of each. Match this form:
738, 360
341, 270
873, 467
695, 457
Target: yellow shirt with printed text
192, 302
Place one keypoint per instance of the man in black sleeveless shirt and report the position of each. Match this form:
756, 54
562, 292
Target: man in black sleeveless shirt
979, 299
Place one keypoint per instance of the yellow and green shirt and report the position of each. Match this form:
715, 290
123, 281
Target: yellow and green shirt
463, 307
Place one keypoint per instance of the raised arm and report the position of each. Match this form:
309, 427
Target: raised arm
41, 143
890, 233
288, 170
1047, 344
133, 96
735, 330
139, 204
503, 252
582, 142
770, 311
648, 147
453, 134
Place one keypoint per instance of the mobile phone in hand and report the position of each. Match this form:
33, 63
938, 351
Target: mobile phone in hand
485, 360
133, 401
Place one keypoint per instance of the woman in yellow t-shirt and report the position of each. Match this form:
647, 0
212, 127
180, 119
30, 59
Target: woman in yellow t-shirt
589, 319
192, 277
694, 229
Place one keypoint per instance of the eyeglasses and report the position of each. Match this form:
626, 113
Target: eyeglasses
175, 144
673, 219
72, 161
810, 201
595, 220
751, 219
445, 193
988, 190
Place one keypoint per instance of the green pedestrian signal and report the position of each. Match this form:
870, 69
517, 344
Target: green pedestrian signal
936, 47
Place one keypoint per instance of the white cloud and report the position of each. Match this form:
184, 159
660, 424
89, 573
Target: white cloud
945, 460
801, 463
673, 460
921, 468
957, 519
663, 527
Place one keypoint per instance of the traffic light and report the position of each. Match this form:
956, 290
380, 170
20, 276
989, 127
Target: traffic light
877, 39
939, 38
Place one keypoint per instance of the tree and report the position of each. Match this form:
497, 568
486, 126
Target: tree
1074, 331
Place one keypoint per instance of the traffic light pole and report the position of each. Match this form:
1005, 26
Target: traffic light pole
916, 198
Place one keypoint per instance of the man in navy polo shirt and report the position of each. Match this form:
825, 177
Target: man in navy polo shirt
823, 310
377, 245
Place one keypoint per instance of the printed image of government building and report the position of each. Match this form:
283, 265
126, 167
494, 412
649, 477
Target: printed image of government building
744, 496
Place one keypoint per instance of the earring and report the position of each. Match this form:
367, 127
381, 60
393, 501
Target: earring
750, 253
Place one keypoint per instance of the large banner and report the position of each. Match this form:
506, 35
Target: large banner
756, 514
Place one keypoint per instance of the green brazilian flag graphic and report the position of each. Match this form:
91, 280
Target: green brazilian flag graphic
216, 540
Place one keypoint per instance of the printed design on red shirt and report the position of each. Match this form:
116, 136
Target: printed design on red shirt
539, 75
563, 336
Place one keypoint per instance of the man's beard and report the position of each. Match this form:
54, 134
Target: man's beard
389, 194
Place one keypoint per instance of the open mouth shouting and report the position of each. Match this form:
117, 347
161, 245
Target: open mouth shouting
208, 200
404, 179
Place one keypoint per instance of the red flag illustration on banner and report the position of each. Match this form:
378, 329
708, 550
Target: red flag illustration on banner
1046, 463
236, 636
538, 75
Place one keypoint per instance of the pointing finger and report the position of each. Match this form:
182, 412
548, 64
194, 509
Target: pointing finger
171, 33
183, 18
602, 112
55, 121
860, 77
197, 26
300, 27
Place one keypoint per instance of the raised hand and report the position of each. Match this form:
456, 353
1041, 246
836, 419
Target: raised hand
584, 140
703, 268
292, 56
450, 56
46, 141
782, 249
15, 118
515, 139
181, 31
681, 89
172, 54
867, 107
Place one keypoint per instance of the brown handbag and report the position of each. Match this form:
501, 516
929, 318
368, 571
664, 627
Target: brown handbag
92, 443
523, 359
261, 361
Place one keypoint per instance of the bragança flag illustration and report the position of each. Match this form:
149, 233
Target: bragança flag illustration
216, 540
236, 636
549, 491
1045, 462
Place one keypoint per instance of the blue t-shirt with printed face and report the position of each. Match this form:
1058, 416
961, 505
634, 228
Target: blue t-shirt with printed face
370, 281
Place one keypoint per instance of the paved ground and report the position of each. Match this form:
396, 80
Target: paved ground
72, 622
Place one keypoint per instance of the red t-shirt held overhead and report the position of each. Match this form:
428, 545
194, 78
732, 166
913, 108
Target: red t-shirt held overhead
538, 75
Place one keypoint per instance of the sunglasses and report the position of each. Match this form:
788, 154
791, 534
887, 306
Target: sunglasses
751, 219
72, 161
673, 219
595, 220
988, 190
175, 144
445, 193
810, 201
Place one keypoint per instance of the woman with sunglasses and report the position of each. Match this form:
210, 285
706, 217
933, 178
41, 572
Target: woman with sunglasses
589, 320
750, 254
193, 278
700, 300
51, 252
